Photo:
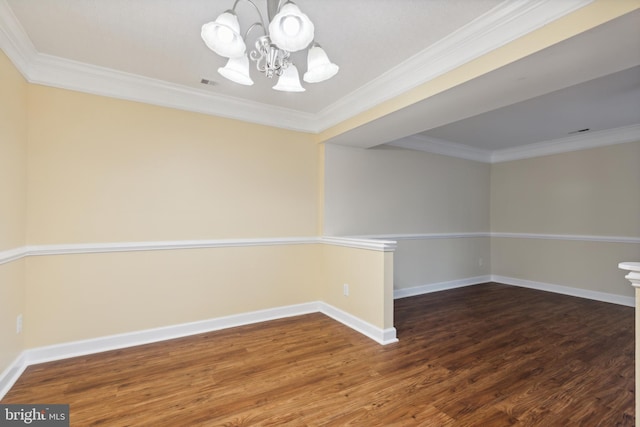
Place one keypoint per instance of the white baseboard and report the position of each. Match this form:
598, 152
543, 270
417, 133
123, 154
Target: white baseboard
381, 336
440, 286
131, 339
567, 290
548, 287
11, 374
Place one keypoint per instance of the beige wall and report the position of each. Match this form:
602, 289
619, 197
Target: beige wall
588, 192
104, 170
75, 297
13, 155
394, 191
593, 192
13, 189
12, 304
369, 276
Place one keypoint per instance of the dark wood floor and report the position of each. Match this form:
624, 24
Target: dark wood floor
486, 355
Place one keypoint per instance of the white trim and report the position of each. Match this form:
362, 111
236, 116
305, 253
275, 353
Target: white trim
577, 142
12, 254
569, 237
425, 236
381, 336
446, 148
83, 248
87, 248
131, 339
566, 290
376, 242
630, 266
11, 374
148, 336
571, 143
501, 25
512, 281
467, 235
67, 74
14, 41
361, 243
441, 286
634, 272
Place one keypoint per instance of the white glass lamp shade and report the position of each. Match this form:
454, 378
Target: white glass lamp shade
289, 81
319, 68
290, 29
237, 70
223, 35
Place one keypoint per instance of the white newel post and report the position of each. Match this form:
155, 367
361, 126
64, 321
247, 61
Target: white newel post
634, 277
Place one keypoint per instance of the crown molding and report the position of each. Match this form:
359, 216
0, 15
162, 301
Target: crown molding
440, 146
63, 73
48, 70
501, 25
14, 41
562, 145
571, 143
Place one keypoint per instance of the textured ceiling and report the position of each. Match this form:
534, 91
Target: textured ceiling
151, 51
160, 39
611, 101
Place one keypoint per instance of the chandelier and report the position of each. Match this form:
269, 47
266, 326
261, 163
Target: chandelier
289, 30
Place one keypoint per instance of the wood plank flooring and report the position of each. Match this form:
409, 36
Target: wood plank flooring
485, 355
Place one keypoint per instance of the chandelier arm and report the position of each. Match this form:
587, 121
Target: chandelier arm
273, 7
256, 24
255, 7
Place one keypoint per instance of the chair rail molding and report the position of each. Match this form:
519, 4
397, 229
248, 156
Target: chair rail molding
88, 248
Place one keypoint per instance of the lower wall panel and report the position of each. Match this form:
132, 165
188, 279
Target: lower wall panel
588, 265
80, 303
11, 305
368, 275
80, 296
426, 261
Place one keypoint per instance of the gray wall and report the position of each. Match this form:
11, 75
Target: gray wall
564, 220
431, 204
